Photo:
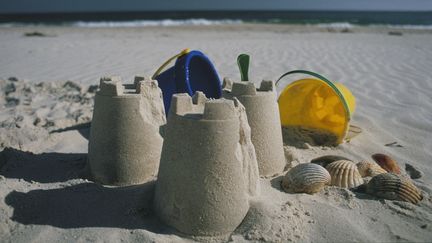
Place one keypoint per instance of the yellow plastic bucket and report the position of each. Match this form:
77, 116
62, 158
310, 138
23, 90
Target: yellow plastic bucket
316, 103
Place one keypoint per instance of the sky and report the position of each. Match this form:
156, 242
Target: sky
37, 6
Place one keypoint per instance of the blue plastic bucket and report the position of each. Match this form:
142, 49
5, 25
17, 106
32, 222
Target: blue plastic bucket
192, 72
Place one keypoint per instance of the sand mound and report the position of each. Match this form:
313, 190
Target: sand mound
276, 223
33, 111
44, 198
300, 136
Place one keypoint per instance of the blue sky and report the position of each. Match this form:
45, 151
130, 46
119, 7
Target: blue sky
8, 6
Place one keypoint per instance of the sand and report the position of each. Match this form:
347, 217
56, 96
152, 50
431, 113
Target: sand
47, 107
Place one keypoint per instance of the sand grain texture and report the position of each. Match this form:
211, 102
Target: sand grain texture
44, 122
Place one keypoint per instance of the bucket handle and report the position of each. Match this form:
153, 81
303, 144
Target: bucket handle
162, 67
316, 75
330, 83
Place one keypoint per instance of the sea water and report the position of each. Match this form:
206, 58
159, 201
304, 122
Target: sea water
409, 20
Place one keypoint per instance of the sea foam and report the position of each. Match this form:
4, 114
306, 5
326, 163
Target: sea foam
164, 22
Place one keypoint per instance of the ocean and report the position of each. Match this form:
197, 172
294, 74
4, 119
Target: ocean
419, 20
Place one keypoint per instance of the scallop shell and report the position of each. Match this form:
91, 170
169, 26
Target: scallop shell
394, 187
367, 168
308, 178
344, 173
387, 163
327, 159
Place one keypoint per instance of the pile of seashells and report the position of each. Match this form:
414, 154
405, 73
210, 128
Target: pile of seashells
382, 179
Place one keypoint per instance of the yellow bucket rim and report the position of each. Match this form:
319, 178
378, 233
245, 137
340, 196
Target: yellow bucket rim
326, 81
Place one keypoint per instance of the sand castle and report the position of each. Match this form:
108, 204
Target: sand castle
125, 144
208, 169
263, 116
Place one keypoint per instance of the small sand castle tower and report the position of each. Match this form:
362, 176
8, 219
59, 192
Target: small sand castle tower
125, 144
263, 116
208, 169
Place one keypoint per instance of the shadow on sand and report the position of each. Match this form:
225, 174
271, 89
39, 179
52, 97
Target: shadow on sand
83, 129
276, 183
88, 205
73, 205
42, 168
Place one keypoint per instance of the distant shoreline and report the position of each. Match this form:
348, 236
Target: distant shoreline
274, 17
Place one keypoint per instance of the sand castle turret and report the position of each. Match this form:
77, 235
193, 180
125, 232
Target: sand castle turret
208, 170
263, 116
125, 144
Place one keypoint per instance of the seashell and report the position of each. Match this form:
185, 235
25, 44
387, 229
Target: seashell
344, 173
327, 159
308, 178
394, 187
387, 163
413, 172
367, 168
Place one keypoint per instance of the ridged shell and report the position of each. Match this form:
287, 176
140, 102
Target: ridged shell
344, 173
394, 187
387, 163
367, 168
327, 159
308, 178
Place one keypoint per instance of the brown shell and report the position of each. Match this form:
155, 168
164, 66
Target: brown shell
387, 163
327, 159
305, 178
394, 187
344, 173
367, 168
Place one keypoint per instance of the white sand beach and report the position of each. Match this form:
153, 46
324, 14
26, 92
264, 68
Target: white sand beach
47, 86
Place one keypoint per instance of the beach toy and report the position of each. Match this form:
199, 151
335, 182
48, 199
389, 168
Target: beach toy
125, 144
208, 169
263, 116
192, 72
243, 64
318, 104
